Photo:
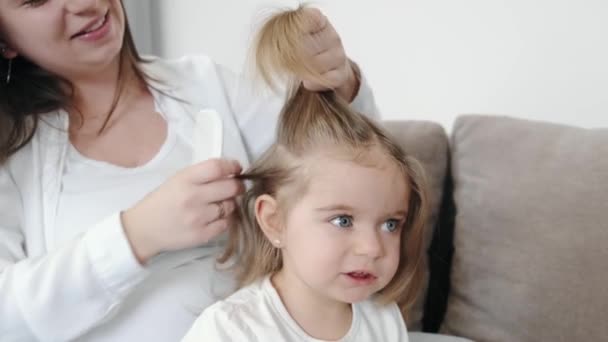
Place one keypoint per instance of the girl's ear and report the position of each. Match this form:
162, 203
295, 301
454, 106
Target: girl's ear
269, 218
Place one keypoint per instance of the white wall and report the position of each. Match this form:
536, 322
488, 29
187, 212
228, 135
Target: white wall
140, 20
434, 59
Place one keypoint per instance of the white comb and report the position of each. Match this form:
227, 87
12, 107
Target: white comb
208, 136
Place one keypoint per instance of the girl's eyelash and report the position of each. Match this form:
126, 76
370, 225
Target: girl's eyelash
342, 221
33, 3
346, 221
396, 224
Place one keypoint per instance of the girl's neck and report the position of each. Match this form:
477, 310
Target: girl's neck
319, 316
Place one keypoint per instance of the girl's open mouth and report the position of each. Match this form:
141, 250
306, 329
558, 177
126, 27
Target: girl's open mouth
361, 277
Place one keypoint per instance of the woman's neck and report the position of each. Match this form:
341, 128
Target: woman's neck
319, 316
94, 98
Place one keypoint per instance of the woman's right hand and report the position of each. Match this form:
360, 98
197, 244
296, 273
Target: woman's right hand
188, 210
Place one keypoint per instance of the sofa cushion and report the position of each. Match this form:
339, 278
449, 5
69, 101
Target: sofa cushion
428, 142
427, 337
531, 235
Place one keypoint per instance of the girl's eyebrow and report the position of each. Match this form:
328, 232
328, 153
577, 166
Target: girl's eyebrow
338, 207
399, 213
341, 207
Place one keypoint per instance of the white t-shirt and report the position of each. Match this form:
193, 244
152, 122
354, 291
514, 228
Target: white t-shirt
256, 313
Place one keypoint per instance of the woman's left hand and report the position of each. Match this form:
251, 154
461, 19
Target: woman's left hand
323, 47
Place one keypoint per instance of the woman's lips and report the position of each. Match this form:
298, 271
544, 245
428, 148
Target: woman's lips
96, 30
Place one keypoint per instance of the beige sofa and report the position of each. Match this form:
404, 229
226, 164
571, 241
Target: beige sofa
518, 239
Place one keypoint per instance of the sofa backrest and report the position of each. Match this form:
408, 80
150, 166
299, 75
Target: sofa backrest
524, 210
428, 142
531, 257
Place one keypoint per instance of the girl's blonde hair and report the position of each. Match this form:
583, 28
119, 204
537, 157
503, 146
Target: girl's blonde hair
311, 122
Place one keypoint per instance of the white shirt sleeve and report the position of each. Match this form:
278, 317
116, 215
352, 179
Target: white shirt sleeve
257, 109
63, 294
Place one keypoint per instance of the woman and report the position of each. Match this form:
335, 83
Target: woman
107, 230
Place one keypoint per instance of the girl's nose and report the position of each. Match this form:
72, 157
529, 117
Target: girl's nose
369, 243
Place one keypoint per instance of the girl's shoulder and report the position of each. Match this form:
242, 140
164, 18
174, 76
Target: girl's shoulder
231, 318
372, 304
244, 301
380, 322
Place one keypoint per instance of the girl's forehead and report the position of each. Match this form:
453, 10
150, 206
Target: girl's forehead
350, 184
323, 161
324, 172
327, 171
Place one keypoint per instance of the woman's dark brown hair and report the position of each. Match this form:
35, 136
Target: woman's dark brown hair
33, 91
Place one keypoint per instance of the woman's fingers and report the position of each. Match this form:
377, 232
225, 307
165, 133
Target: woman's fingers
322, 41
324, 52
212, 170
328, 60
220, 190
218, 210
333, 79
187, 210
317, 21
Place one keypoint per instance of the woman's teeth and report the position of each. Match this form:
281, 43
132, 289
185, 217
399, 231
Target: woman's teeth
99, 23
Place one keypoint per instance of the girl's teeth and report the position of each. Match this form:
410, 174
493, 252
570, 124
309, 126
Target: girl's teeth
359, 275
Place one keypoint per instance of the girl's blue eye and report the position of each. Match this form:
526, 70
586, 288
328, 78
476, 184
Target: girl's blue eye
342, 221
391, 225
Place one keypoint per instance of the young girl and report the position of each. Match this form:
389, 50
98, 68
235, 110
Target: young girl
331, 236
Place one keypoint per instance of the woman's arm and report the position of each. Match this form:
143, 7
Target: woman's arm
63, 294
257, 109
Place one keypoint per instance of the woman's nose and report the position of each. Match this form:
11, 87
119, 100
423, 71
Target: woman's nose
81, 6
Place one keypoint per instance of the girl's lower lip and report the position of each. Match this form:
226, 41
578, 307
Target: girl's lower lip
98, 34
357, 280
